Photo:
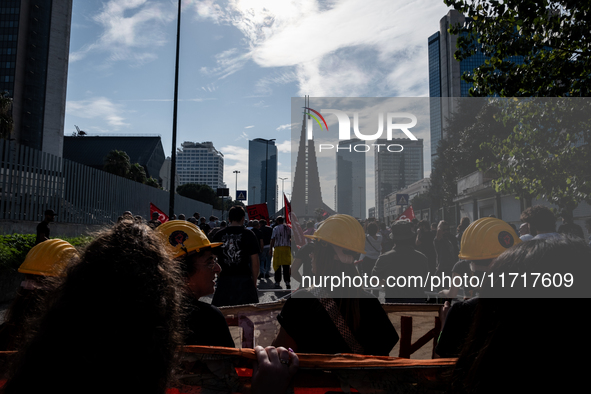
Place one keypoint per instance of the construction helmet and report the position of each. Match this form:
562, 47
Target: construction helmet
184, 237
341, 230
49, 258
487, 238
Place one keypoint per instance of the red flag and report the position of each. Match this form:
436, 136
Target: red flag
258, 211
287, 210
161, 215
407, 215
297, 232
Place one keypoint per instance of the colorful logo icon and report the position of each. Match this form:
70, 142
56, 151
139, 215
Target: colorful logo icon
315, 118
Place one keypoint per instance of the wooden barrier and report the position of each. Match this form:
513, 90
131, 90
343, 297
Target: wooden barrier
416, 324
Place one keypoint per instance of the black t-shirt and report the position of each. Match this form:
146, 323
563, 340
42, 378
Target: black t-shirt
402, 261
42, 230
234, 255
267, 234
456, 328
310, 326
258, 234
205, 228
207, 326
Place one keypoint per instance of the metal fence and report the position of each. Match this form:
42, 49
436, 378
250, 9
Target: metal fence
32, 181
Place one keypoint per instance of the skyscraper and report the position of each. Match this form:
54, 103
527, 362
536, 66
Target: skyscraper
34, 48
350, 187
396, 170
262, 173
445, 76
200, 163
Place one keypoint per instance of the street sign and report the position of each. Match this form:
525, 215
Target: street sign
240, 195
223, 192
402, 199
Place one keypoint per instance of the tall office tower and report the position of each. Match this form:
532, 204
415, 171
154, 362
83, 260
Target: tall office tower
200, 163
445, 76
396, 170
262, 173
34, 48
350, 187
445, 72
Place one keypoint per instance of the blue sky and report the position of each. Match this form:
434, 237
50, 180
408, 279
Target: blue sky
241, 62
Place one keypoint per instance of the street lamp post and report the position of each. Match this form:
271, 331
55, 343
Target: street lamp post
283, 198
174, 115
236, 172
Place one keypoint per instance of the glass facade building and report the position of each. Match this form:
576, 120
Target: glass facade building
200, 163
34, 49
445, 76
434, 94
262, 174
396, 170
350, 186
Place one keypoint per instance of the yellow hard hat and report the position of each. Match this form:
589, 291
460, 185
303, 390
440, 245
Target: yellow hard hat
341, 230
487, 238
49, 258
184, 237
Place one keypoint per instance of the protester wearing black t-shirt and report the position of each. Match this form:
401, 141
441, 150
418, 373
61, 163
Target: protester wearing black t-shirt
239, 259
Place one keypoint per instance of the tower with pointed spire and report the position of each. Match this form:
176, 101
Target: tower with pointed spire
306, 194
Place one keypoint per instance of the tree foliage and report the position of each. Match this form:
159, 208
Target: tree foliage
152, 182
199, 192
474, 123
117, 162
137, 173
6, 123
552, 37
547, 155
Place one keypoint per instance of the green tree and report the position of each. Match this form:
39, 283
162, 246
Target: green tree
6, 123
474, 123
137, 173
547, 154
117, 162
152, 182
552, 36
199, 192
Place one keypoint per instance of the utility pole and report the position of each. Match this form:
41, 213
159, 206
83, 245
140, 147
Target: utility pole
174, 116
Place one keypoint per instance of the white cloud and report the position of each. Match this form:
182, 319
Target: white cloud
228, 62
339, 48
284, 147
97, 108
242, 136
131, 30
249, 127
235, 159
285, 126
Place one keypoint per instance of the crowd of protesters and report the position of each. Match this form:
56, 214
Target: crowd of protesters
135, 291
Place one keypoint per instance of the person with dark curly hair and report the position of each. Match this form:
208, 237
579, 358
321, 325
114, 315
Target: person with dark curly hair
113, 324
541, 220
